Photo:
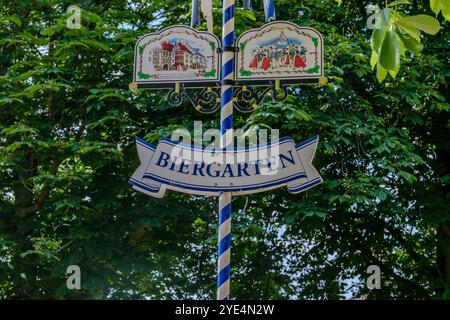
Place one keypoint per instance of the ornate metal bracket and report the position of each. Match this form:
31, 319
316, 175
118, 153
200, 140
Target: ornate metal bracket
206, 101
248, 99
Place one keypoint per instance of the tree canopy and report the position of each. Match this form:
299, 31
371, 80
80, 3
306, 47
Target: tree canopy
68, 124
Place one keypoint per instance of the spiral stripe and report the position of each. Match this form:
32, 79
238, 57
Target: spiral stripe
269, 10
226, 141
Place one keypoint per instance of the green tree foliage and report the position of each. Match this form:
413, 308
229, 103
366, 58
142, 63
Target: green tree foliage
395, 33
67, 128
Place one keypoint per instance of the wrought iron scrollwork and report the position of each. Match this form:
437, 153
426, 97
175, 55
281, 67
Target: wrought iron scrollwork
280, 94
174, 98
249, 98
206, 100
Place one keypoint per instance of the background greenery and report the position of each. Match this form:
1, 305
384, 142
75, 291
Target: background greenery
67, 128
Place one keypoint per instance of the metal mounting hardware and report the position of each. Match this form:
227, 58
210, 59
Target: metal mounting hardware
174, 98
205, 100
133, 86
228, 82
230, 49
249, 98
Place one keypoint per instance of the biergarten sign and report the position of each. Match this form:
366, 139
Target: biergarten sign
202, 171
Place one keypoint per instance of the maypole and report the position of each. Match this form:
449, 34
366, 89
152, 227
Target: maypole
226, 141
185, 62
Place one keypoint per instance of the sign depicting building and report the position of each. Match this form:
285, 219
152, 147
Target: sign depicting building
279, 50
177, 53
230, 74
200, 171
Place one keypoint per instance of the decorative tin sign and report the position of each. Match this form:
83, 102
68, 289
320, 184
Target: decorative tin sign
279, 51
202, 171
176, 54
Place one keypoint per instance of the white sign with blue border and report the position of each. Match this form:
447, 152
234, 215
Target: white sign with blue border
209, 171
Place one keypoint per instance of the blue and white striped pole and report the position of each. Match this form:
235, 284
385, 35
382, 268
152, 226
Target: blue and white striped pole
269, 10
248, 5
195, 17
226, 141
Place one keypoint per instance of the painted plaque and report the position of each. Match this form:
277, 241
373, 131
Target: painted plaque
202, 171
279, 50
176, 54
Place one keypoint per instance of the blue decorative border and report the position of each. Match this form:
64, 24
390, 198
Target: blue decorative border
201, 148
188, 186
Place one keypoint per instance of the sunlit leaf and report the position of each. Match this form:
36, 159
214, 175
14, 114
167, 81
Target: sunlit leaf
390, 51
423, 22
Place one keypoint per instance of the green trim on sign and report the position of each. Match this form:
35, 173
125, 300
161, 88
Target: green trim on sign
141, 50
211, 73
313, 70
142, 75
315, 41
212, 44
242, 46
245, 73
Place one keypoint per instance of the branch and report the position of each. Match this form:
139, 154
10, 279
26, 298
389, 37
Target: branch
39, 203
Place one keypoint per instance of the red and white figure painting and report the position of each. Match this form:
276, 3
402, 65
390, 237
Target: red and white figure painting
177, 54
279, 50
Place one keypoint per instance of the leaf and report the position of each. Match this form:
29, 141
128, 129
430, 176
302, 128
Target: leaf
90, 16
436, 6
446, 294
7, 100
34, 88
443, 106
385, 18
423, 22
373, 59
14, 19
446, 179
302, 115
96, 44
378, 34
393, 73
446, 10
441, 5
390, 51
410, 29
408, 177
381, 73
394, 3
18, 129
409, 42
376, 39
115, 96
